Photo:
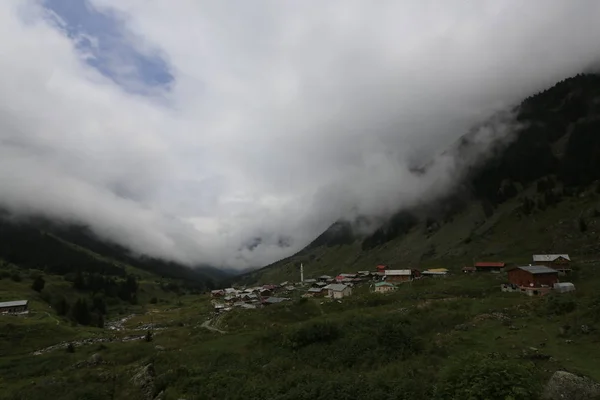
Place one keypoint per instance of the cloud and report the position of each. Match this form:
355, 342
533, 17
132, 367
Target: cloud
269, 119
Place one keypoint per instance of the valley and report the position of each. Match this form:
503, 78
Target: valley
104, 324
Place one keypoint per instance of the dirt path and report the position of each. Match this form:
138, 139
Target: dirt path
57, 321
83, 342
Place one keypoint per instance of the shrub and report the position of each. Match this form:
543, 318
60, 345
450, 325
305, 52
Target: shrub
153, 300
476, 377
38, 284
316, 332
560, 304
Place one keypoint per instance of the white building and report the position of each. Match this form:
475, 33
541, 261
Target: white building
338, 290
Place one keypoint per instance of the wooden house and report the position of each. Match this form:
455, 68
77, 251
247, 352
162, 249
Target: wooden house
338, 290
435, 272
384, 287
533, 276
316, 292
486, 266
559, 262
14, 307
398, 275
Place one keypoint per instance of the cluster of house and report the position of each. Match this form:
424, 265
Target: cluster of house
324, 286
538, 278
333, 287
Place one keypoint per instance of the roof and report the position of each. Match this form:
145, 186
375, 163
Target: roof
336, 287
325, 277
398, 272
443, 270
347, 275
381, 267
310, 280
550, 257
538, 269
378, 284
273, 300
15, 303
469, 268
486, 264
564, 284
315, 290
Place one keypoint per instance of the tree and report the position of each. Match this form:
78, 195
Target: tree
100, 321
61, 306
81, 313
582, 225
38, 284
79, 282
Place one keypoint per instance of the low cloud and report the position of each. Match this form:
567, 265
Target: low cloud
279, 118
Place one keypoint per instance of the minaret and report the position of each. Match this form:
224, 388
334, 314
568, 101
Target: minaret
301, 273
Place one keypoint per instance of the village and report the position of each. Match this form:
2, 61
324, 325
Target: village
539, 278
535, 279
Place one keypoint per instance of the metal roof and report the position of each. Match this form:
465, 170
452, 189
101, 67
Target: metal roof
549, 257
275, 299
336, 287
538, 269
315, 290
563, 284
486, 264
384, 284
310, 280
15, 303
398, 272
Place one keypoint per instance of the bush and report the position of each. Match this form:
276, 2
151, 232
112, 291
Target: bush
560, 304
398, 340
316, 332
16, 277
582, 225
38, 284
153, 300
478, 377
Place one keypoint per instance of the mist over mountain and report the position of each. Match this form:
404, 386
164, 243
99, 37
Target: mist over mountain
237, 138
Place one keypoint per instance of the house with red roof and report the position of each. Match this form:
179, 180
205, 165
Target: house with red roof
487, 266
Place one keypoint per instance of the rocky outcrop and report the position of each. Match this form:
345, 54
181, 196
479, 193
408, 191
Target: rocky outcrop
144, 380
567, 386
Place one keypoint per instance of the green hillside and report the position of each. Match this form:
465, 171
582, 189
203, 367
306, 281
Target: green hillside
538, 194
438, 339
508, 235
69, 284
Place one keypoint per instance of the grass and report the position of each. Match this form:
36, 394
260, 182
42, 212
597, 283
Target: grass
446, 318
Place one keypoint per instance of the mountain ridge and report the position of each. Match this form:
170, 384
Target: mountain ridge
553, 157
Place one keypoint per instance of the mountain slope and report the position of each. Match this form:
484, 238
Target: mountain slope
61, 249
536, 193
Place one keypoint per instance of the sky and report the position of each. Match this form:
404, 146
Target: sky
186, 129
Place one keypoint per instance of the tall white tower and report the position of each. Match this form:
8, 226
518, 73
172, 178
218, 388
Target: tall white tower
301, 273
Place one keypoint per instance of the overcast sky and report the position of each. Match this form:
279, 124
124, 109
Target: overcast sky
183, 129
